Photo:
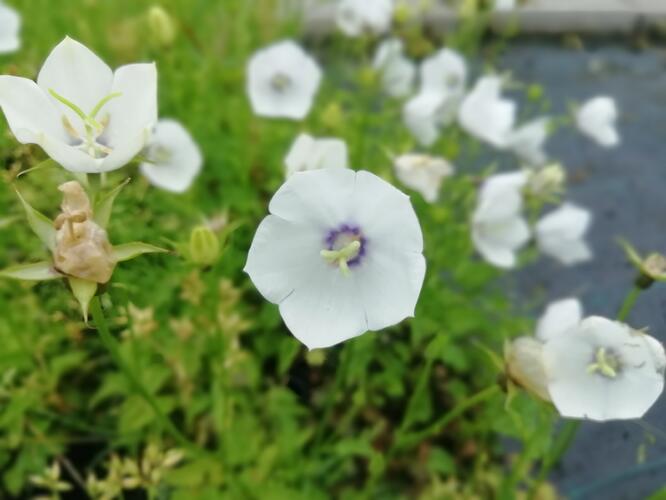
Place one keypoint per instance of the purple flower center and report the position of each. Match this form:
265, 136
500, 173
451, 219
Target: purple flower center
339, 238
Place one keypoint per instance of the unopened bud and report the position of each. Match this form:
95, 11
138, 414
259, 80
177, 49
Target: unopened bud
204, 246
161, 25
332, 116
525, 366
548, 181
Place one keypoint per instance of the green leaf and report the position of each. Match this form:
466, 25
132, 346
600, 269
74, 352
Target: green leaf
40, 271
104, 206
83, 291
41, 225
129, 251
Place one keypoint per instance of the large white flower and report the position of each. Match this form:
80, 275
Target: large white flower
527, 142
603, 370
422, 173
486, 115
597, 119
282, 81
558, 318
341, 253
10, 27
397, 71
560, 234
86, 117
354, 17
444, 72
308, 153
174, 157
499, 228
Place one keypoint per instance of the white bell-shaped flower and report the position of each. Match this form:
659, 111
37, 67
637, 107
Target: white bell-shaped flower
597, 119
424, 114
86, 117
308, 153
486, 115
423, 173
527, 142
341, 253
355, 18
603, 370
282, 81
10, 27
397, 71
560, 234
174, 158
499, 228
445, 72
559, 317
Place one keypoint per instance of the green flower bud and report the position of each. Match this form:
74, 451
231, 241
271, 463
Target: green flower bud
161, 26
204, 246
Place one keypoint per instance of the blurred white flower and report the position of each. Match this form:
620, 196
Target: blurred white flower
603, 370
446, 73
355, 17
10, 27
527, 142
282, 81
558, 318
86, 118
502, 5
423, 173
174, 157
341, 253
499, 228
547, 181
423, 115
597, 118
397, 71
308, 153
486, 115
560, 234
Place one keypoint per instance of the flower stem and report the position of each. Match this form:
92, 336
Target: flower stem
628, 303
113, 348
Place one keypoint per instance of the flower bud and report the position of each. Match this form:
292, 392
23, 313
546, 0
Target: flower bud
161, 25
333, 116
82, 248
525, 366
204, 246
547, 181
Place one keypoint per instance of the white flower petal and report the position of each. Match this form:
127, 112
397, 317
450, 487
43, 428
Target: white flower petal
423, 114
527, 142
444, 73
176, 157
559, 317
597, 119
560, 234
506, 184
354, 17
525, 366
486, 115
422, 173
308, 153
282, 81
10, 26
498, 240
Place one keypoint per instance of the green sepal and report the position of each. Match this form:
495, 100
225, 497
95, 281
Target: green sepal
83, 291
128, 251
104, 206
40, 271
40, 224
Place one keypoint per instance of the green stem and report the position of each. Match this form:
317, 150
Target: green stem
113, 348
628, 303
416, 393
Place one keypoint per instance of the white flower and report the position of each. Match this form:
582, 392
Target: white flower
341, 253
422, 173
354, 17
547, 181
603, 370
503, 5
308, 153
499, 228
560, 234
486, 115
86, 118
597, 119
397, 72
424, 114
10, 27
282, 81
175, 159
528, 140
558, 318
446, 73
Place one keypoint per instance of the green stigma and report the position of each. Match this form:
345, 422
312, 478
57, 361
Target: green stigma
604, 363
342, 256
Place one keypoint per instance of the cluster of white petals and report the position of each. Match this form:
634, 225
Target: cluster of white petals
354, 17
309, 153
282, 81
527, 142
597, 118
10, 28
423, 173
499, 228
341, 253
397, 72
560, 234
173, 158
86, 117
442, 87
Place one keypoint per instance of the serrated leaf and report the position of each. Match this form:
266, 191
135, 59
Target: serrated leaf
40, 271
128, 251
83, 291
104, 206
41, 225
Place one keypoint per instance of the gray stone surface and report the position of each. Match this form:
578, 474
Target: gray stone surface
626, 189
